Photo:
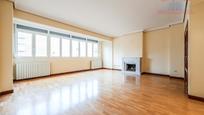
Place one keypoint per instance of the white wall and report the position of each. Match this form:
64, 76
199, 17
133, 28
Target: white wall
130, 45
156, 52
107, 52
177, 51
164, 51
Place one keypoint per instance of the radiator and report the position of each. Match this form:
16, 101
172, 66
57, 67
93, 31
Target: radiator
31, 70
96, 63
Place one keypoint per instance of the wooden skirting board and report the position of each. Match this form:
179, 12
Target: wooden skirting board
165, 75
112, 69
74, 72
6, 92
196, 98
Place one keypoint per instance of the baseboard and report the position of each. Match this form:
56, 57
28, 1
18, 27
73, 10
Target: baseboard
173, 77
112, 69
53, 75
6, 92
107, 68
196, 98
75, 71
117, 69
71, 72
155, 74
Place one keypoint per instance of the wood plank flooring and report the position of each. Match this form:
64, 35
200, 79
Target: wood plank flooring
100, 92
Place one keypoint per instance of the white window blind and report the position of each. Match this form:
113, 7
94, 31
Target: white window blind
55, 46
40, 45
24, 44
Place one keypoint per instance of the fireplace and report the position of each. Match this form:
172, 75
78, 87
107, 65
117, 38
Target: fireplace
132, 65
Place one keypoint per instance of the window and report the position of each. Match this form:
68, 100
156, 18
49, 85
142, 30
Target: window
37, 42
65, 47
89, 49
40, 45
75, 48
82, 48
95, 49
54, 46
24, 44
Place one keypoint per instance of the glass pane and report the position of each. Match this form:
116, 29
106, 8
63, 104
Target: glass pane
41, 45
83, 49
75, 48
65, 47
89, 49
24, 44
95, 50
54, 46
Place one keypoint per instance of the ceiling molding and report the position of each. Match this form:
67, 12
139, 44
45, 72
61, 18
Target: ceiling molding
130, 33
162, 27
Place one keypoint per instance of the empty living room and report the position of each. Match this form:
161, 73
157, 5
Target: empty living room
101, 57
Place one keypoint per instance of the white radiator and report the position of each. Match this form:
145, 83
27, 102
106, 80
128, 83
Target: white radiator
32, 70
96, 63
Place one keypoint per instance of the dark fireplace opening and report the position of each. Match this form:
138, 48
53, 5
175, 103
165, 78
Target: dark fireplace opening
131, 67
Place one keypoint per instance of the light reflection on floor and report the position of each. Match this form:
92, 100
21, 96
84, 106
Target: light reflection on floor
61, 100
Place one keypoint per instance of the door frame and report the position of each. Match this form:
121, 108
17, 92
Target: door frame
186, 55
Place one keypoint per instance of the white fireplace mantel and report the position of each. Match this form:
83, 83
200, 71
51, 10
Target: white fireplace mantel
132, 60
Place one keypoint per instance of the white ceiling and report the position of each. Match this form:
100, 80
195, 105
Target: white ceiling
109, 17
